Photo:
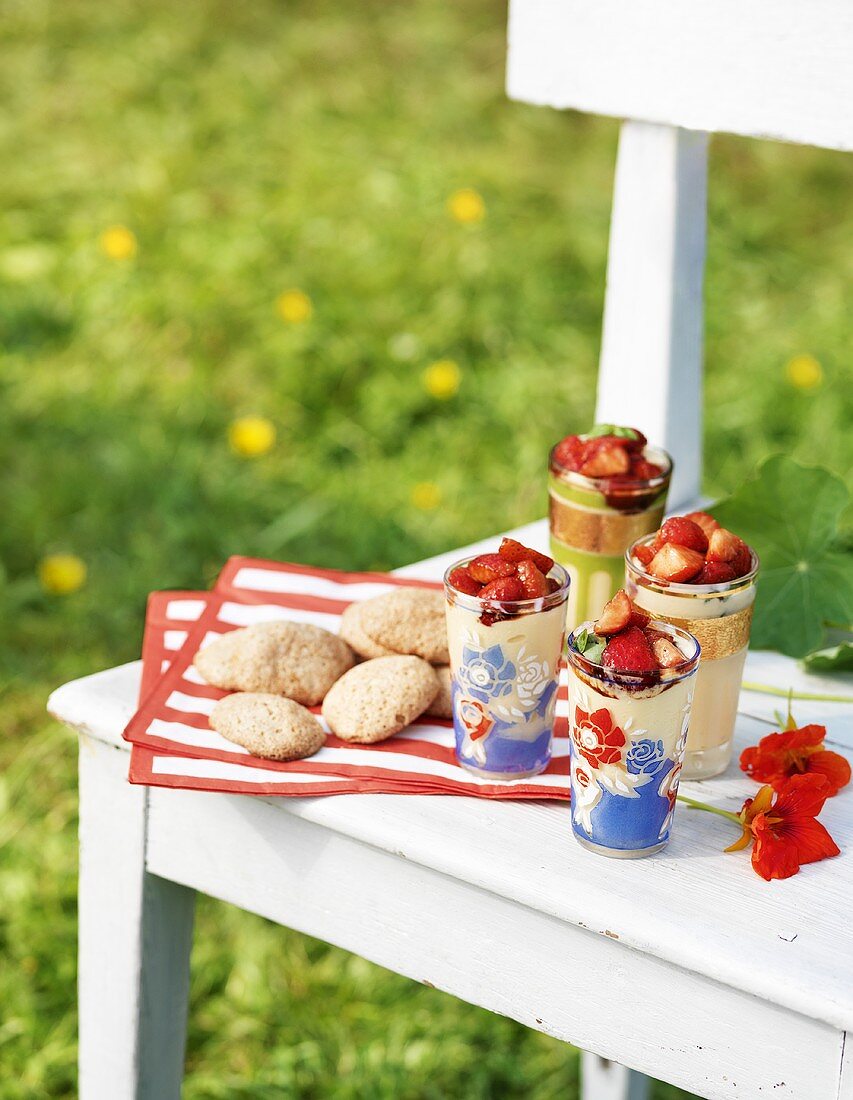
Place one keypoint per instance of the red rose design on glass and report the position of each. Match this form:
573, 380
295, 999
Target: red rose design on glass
474, 718
596, 738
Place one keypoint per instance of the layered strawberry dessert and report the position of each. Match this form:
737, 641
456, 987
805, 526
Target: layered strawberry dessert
506, 621
696, 574
606, 488
631, 680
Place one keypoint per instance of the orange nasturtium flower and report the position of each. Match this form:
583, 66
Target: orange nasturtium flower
778, 756
784, 828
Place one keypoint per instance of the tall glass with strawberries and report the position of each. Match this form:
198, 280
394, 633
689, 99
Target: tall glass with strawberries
606, 489
506, 622
631, 683
701, 578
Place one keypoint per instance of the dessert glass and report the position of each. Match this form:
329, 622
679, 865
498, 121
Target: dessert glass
628, 732
504, 668
593, 520
719, 615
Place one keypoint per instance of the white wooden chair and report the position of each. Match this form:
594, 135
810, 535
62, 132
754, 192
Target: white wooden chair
686, 966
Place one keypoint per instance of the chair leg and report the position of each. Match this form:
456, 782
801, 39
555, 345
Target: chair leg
605, 1080
135, 939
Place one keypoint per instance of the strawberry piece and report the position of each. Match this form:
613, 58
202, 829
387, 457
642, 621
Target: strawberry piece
570, 452
504, 589
532, 580
742, 561
639, 617
489, 567
666, 653
462, 581
637, 443
723, 545
715, 572
553, 584
608, 459
703, 520
643, 470
514, 551
676, 563
629, 652
681, 531
616, 614
644, 554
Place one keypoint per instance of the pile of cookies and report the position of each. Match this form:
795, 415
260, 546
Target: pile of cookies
388, 667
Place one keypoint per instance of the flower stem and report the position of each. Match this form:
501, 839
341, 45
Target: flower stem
695, 804
767, 689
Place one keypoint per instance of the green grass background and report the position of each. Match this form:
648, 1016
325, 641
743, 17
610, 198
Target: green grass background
253, 148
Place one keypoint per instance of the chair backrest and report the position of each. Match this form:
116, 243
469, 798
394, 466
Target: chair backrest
677, 70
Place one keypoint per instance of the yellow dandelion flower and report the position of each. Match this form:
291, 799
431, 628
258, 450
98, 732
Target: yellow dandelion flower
426, 496
466, 206
441, 379
804, 372
294, 306
251, 436
62, 574
118, 243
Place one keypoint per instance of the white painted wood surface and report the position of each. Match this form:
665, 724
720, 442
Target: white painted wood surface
650, 373
135, 934
605, 1080
704, 975
766, 68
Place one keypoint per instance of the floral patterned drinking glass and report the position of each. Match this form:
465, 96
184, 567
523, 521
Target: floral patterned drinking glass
628, 732
504, 667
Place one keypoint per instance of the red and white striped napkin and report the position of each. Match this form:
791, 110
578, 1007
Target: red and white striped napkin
174, 745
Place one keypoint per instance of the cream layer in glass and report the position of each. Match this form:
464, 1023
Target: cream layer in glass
720, 616
504, 667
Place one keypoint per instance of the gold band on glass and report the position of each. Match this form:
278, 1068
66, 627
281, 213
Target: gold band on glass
718, 637
600, 532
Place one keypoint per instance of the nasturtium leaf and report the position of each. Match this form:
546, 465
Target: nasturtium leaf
837, 658
789, 514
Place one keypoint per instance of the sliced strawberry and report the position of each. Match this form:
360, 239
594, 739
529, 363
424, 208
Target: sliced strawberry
639, 617
676, 563
715, 572
616, 614
532, 580
644, 554
643, 470
703, 520
666, 654
742, 561
504, 589
681, 531
488, 567
553, 584
629, 652
723, 545
570, 452
514, 551
637, 442
462, 580
607, 460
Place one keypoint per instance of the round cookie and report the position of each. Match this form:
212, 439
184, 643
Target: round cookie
353, 634
268, 725
441, 706
298, 660
377, 699
408, 620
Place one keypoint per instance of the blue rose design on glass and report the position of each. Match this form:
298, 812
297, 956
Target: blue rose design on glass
645, 757
485, 674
